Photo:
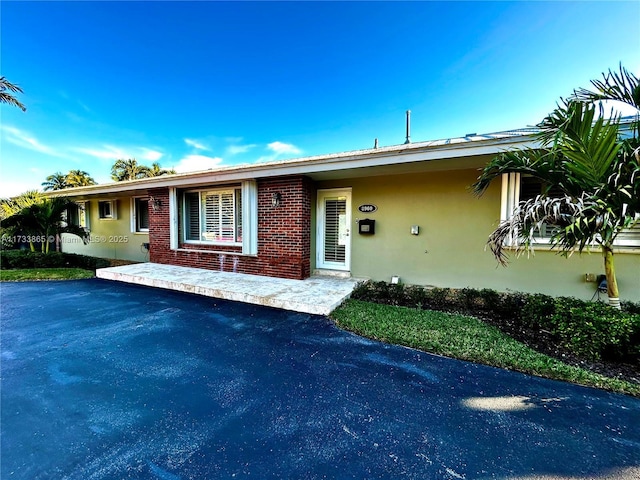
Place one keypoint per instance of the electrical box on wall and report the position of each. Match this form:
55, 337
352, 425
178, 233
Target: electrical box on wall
366, 227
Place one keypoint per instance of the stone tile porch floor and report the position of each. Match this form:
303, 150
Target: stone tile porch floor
318, 295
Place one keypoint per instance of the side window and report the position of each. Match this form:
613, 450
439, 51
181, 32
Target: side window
78, 214
107, 209
531, 187
517, 188
140, 214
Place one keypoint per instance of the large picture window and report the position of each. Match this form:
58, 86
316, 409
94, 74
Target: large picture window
213, 216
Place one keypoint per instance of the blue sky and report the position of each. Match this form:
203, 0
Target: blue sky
194, 85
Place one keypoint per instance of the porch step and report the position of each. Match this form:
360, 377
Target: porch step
317, 295
323, 272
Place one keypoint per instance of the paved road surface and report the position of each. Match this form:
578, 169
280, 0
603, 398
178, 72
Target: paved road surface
103, 380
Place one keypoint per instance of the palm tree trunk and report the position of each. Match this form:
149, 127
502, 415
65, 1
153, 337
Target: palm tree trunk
610, 272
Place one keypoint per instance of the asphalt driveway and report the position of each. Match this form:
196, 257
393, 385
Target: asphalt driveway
108, 380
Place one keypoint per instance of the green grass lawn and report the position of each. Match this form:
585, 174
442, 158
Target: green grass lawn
464, 338
44, 274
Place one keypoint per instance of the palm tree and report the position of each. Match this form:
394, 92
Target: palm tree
7, 97
156, 170
128, 169
79, 178
44, 221
10, 206
594, 169
56, 181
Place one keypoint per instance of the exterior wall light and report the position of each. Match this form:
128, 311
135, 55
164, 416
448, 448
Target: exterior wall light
276, 199
156, 204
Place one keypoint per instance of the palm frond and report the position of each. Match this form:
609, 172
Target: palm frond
622, 86
7, 97
591, 147
579, 223
11, 100
541, 164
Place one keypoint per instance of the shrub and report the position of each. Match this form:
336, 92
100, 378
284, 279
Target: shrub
19, 259
630, 307
491, 299
594, 330
537, 311
438, 298
591, 330
417, 297
468, 299
510, 305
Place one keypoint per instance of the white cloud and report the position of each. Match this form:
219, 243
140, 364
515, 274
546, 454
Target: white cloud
26, 140
113, 153
152, 155
107, 152
237, 149
194, 163
281, 148
195, 144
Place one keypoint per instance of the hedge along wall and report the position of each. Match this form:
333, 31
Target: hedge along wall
284, 234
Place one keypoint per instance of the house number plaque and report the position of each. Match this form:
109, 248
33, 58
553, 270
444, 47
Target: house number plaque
367, 208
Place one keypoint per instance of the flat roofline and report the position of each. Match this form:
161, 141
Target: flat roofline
468, 146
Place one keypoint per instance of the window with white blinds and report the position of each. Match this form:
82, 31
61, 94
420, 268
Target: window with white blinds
213, 216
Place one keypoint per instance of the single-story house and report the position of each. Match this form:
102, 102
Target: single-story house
399, 211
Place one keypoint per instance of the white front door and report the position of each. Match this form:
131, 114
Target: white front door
334, 229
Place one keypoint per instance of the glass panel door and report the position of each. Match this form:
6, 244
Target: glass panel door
334, 220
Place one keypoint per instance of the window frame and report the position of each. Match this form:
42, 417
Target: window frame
82, 212
510, 199
135, 227
238, 218
113, 213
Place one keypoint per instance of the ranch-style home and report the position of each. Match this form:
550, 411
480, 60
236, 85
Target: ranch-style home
401, 211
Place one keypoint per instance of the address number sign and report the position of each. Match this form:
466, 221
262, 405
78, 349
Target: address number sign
367, 208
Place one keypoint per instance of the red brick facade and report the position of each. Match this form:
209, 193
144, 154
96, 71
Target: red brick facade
284, 234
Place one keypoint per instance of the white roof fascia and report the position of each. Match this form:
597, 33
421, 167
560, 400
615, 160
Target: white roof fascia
394, 155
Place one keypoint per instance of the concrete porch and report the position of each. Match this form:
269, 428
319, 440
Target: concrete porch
318, 295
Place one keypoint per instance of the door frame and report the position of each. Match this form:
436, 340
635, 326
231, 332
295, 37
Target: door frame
320, 229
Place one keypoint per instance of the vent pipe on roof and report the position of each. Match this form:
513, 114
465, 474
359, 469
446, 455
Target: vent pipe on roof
375, 143
408, 139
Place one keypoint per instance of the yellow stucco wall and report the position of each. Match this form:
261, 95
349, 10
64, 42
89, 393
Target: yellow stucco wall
110, 238
450, 248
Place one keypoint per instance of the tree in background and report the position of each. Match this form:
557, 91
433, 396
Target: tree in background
157, 171
595, 165
8, 98
10, 206
130, 169
79, 178
56, 181
60, 181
